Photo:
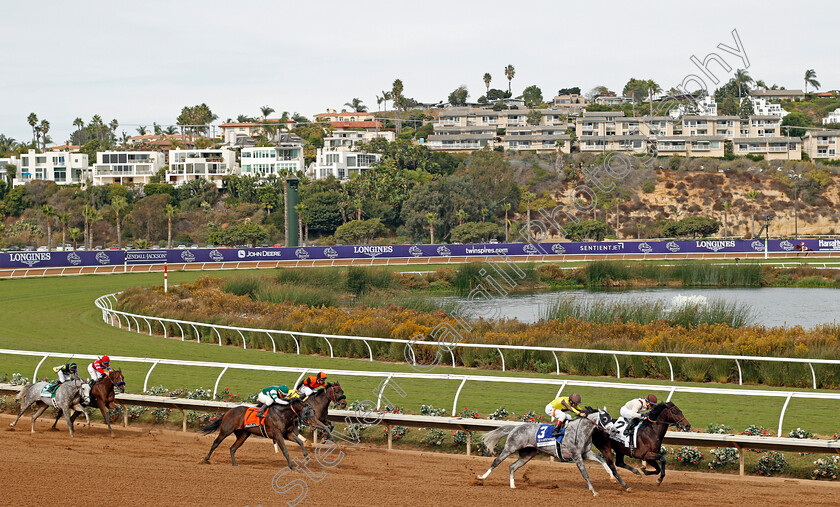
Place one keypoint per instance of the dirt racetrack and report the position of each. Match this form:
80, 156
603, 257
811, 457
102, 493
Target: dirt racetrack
148, 466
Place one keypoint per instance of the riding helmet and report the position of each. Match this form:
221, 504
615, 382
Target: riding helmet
574, 398
106, 359
651, 398
283, 389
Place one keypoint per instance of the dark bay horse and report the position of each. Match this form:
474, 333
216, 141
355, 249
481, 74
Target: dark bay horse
102, 396
320, 402
280, 423
649, 440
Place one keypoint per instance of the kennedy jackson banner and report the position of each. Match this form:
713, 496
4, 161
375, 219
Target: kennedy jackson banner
119, 257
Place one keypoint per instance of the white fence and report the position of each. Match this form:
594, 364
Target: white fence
740, 442
115, 317
461, 379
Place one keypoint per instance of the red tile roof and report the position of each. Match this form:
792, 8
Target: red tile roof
346, 113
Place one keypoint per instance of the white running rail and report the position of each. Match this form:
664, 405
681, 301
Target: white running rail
115, 317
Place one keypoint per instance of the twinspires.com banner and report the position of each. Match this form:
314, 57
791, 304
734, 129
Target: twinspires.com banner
120, 257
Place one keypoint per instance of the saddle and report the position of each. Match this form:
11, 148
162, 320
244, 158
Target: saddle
251, 420
49, 390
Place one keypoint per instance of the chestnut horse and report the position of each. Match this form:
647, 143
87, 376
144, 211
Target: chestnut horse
649, 440
102, 395
279, 423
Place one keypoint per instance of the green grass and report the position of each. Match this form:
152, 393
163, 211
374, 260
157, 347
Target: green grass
58, 314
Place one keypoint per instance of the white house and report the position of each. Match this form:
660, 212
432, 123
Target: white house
347, 139
286, 158
209, 164
62, 167
762, 107
126, 167
341, 163
703, 107
833, 117
11, 162
244, 134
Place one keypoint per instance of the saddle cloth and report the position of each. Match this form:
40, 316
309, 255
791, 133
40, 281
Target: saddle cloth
48, 391
619, 432
544, 437
251, 419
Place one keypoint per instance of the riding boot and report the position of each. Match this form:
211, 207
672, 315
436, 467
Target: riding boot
261, 411
557, 431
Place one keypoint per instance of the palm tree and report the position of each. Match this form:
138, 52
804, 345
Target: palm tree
617, 202
811, 79
49, 213
303, 218
461, 215
506, 207
113, 124
487, 79
64, 218
379, 101
431, 218
386, 96
726, 207
759, 83
169, 211
75, 234
653, 89
142, 130
119, 203
742, 79
357, 205
91, 215
528, 197
171, 130
356, 105
396, 96
44, 128
266, 110
752, 195
509, 73
32, 119
79, 124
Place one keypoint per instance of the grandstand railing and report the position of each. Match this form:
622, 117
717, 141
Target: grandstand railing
115, 317
386, 377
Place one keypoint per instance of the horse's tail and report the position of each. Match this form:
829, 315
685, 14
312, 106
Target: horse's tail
494, 436
21, 395
211, 427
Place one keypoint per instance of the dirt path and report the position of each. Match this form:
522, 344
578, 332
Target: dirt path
156, 467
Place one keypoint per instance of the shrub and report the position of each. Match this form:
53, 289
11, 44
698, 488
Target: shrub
719, 429
756, 431
18, 380
500, 413
397, 432
432, 411
771, 463
530, 416
826, 468
723, 456
434, 438
689, 455
648, 187
800, 433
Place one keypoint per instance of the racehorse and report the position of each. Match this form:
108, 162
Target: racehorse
279, 424
576, 445
102, 395
649, 439
70, 394
321, 399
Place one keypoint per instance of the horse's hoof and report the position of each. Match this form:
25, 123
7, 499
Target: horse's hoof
594, 493
629, 490
659, 482
513, 487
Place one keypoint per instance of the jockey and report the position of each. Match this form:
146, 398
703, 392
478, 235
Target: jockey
99, 369
312, 384
561, 408
270, 395
65, 372
633, 410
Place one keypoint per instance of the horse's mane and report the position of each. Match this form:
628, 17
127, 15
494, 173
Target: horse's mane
589, 410
656, 410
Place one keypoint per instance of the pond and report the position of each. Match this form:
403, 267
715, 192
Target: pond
771, 306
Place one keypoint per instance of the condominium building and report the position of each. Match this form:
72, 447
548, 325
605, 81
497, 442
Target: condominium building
771, 148
822, 144
209, 164
777, 95
64, 168
505, 118
538, 138
570, 104
623, 143
691, 146
833, 117
706, 106
461, 138
341, 164
332, 115
347, 139
281, 160
126, 167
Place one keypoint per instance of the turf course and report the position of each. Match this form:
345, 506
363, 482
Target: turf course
58, 314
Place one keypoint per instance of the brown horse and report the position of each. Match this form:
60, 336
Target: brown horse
102, 396
649, 440
279, 423
321, 399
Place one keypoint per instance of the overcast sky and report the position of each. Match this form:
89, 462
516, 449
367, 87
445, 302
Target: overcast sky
142, 62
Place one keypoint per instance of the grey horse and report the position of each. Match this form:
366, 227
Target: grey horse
68, 396
576, 445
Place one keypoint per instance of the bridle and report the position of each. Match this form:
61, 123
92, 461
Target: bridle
333, 397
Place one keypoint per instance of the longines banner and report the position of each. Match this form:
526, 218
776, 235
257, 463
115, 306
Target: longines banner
119, 257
